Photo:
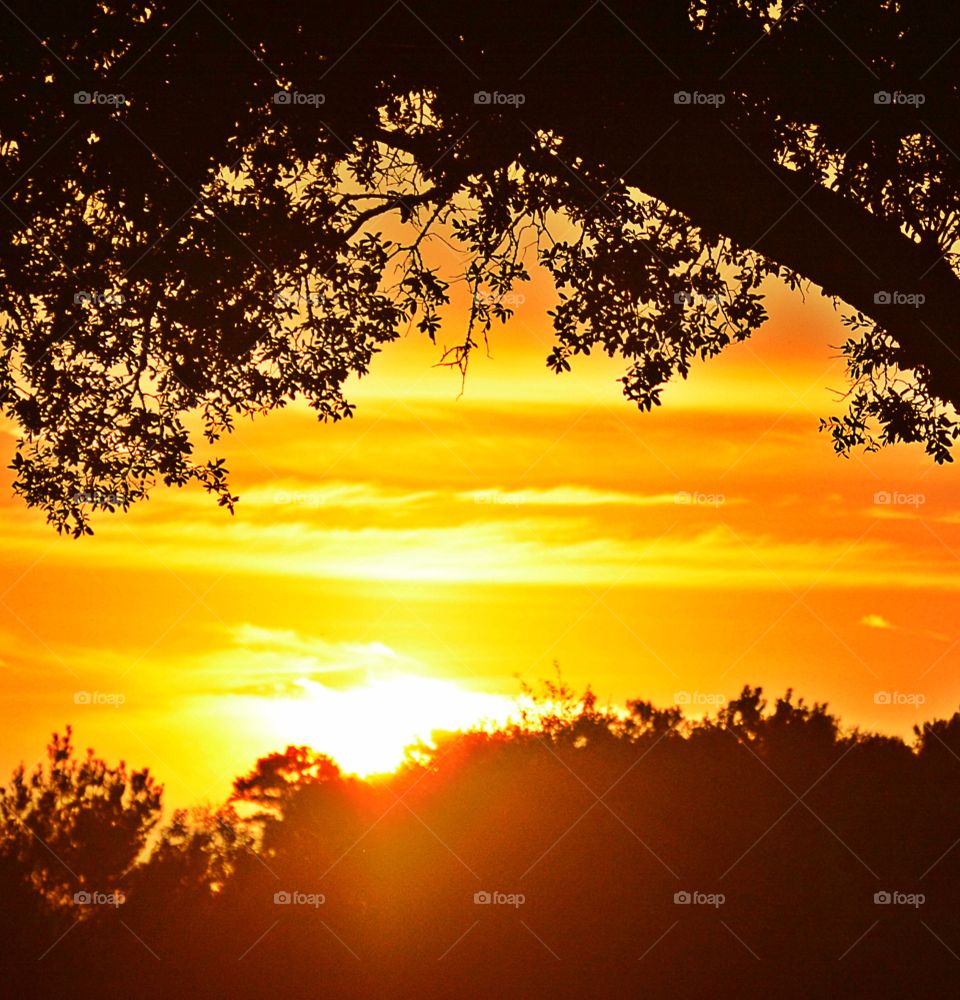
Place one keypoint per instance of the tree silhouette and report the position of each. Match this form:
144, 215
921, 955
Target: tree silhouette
601, 820
214, 212
77, 825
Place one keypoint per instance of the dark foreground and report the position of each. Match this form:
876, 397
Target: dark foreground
762, 852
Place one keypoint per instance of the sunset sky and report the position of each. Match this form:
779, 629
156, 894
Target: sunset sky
409, 568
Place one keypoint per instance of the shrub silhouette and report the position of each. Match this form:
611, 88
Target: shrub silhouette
540, 859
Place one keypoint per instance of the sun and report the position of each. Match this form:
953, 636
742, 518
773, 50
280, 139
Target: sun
367, 728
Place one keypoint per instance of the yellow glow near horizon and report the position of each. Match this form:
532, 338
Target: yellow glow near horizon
396, 574
367, 728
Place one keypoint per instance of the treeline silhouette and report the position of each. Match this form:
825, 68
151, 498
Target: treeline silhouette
763, 850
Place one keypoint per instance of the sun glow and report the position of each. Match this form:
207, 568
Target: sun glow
367, 728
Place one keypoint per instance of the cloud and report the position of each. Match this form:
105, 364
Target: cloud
268, 662
879, 622
362, 702
700, 544
876, 621
304, 495
567, 496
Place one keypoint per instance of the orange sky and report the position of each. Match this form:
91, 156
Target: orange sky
383, 574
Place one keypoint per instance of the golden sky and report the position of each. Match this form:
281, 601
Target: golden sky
409, 568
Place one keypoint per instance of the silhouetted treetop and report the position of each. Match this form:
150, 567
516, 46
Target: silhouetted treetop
273, 778
822, 859
76, 824
217, 211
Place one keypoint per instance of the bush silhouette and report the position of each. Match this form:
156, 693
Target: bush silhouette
594, 853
